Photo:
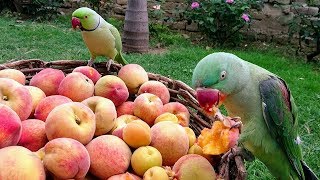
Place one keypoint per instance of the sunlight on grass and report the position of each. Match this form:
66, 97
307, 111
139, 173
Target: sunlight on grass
56, 40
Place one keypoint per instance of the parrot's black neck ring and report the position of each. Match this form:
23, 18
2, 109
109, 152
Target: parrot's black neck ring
84, 29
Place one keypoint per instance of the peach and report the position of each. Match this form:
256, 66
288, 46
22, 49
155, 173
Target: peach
156, 173
191, 135
180, 110
10, 127
196, 149
134, 76
193, 166
120, 123
147, 107
13, 74
73, 120
105, 113
33, 136
144, 158
47, 104
171, 140
90, 72
76, 86
37, 95
66, 158
113, 88
48, 80
125, 108
124, 176
16, 96
109, 156
157, 88
18, 163
166, 117
136, 134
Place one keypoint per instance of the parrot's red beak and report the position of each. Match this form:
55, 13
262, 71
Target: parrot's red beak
75, 23
209, 98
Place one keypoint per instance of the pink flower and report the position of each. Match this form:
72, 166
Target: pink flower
156, 7
245, 17
195, 5
229, 1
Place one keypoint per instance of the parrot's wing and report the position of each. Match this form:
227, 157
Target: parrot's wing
119, 58
280, 112
117, 37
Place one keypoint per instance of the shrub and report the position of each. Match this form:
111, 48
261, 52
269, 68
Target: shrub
221, 20
308, 29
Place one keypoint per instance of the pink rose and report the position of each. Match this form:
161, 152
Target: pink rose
195, 5
229, 1
245, 17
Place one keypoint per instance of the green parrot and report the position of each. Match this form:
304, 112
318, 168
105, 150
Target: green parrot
101, 37
265, 105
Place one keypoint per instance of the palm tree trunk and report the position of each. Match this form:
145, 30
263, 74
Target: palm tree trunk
136, 28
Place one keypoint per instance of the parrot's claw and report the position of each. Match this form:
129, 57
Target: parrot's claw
108, 64
237, 124
90, 62
232, 156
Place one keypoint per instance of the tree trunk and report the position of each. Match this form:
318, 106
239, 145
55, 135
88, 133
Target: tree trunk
136, 29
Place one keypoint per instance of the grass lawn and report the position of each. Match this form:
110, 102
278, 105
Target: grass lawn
56, 40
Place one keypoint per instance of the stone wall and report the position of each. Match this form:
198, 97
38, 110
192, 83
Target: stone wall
268, 24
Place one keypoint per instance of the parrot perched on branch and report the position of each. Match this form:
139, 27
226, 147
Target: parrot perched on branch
265, 105
101, 38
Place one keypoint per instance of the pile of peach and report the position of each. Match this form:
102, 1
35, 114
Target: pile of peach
83, 126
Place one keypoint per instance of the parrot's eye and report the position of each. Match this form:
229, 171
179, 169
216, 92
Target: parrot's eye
223, 75
85, 17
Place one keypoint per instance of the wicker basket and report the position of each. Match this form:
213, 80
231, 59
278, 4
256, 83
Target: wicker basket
179, 92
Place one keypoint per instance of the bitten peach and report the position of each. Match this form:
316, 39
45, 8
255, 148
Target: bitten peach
33, 136
13, 74
10, 127
147, 107
180, 110
157, 88
171, 140
109, 156
66, 158
76, 86
105, 113
18, 163
137, 133
134, 76
90, 72
48, 80
145, 157
47, 104
113, 88
193, 166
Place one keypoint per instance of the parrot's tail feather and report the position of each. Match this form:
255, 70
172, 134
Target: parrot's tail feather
308, 173
120, 59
